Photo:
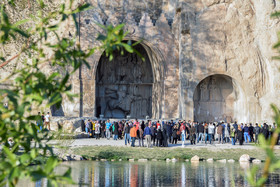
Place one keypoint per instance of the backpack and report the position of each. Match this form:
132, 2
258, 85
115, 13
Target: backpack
232, 133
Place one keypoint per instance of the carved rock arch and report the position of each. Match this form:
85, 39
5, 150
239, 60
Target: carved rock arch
158, 66
219, 97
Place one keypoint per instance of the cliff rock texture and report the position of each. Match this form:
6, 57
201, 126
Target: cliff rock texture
210, 60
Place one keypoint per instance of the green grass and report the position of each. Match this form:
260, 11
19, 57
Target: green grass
110, 152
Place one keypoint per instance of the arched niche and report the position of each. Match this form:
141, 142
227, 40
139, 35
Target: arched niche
57, 111
219, 98
124, 85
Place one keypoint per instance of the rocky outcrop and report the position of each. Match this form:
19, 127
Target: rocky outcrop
71, 157
195, 159
244, 158
222, 161
256, 161
143, 160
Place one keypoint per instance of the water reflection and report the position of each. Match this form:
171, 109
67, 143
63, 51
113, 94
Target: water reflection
89, 173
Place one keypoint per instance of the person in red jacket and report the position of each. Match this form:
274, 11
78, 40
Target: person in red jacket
183, 133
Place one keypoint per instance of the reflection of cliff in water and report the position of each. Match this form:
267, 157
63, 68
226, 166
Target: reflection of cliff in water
159, 174
124, 86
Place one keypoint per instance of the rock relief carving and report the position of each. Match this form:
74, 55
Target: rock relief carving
214, 99
124, 86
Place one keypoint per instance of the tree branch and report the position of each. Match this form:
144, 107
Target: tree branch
5, 63
14, 57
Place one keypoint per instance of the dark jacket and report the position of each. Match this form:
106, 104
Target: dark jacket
164, 137
251, 130
235, 126
265, 132
153, 130
174, 133
127, 129
116, 131
102, 126
240, 135
200, 128
192, 133
169, 129
196, 128
90, 126
192, 130
257, 130
159, 134
83, 126
246, 129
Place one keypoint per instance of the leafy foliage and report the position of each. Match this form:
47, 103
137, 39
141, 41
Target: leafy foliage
113, 40
22, 141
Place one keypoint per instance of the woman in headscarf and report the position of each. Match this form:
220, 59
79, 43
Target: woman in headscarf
159, 137
115, 130
175, 133
192, 134
265, 131
120, 130
164, 136
240, 135
140, 136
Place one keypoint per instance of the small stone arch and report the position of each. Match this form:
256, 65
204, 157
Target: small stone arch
219, 97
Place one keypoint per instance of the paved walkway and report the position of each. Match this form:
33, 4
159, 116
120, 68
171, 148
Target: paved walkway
120, 143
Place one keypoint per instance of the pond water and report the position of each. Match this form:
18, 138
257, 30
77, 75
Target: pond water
91, 173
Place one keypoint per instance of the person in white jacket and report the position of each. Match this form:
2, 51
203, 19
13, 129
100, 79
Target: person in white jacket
211, 132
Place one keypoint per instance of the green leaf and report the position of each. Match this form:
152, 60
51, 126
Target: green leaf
25, 158
20, 22
10, 155
83, 7
41, 3
51, 164
128, 48
263, 142
261, 181
15, 173
38, 174
101, 37
33, 153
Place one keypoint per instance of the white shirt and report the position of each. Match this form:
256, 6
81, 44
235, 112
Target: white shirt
47, 118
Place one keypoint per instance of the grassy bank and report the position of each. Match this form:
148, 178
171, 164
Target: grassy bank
110, 152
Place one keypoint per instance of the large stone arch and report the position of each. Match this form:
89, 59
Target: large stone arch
157, 63
219, 97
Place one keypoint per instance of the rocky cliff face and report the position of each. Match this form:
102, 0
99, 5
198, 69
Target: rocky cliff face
234, 38
188, 41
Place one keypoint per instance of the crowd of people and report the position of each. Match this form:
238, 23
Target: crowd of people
157, 133
43, 121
